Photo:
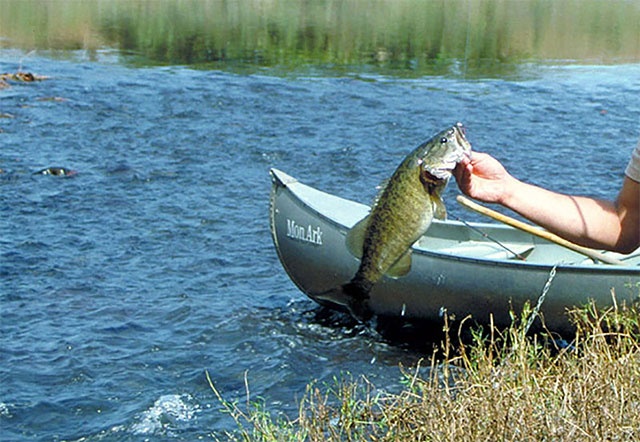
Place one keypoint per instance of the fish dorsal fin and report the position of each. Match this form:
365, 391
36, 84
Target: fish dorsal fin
355, 237
439, 210
383, 185
401, 266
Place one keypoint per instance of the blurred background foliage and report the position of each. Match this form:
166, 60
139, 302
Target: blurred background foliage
410, 36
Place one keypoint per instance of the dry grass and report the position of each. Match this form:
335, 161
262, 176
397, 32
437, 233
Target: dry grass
503, 386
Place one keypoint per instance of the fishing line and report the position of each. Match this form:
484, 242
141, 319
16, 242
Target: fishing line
487, 236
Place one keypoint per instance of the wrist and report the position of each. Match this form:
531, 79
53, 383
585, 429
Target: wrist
512, 189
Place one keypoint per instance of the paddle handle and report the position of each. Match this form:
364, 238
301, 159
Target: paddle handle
466, 202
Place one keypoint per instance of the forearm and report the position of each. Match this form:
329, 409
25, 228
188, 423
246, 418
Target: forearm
582, 220
585, 221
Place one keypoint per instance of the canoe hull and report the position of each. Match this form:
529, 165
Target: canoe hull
309, 228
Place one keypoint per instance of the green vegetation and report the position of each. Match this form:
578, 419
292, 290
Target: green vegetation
505, 385
401, 37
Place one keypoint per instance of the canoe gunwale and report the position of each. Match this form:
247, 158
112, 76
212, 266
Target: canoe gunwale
437, 254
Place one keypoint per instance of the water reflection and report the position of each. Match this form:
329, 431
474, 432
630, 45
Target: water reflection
469, 37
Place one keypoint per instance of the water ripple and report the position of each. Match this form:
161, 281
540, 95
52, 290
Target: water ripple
121, 286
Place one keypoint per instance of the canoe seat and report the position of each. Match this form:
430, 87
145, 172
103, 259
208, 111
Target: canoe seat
485, 250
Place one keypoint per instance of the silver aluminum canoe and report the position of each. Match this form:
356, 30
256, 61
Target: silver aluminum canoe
454, 268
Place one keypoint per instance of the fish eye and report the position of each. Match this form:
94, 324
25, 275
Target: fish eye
443, 140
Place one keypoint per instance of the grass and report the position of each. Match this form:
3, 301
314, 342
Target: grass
503, 385
393, 37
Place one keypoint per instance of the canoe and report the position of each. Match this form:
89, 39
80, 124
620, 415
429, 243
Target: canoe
458, 268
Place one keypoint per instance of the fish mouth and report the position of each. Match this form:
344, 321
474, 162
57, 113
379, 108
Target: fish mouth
460, 133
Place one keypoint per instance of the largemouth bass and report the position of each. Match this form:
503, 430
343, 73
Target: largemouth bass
402, 213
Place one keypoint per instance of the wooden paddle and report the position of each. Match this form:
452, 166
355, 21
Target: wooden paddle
466, 202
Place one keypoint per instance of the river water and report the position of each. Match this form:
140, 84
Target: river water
122, 285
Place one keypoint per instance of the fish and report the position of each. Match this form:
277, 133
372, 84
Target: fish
400, 215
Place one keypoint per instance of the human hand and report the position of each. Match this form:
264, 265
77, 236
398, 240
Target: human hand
484, 178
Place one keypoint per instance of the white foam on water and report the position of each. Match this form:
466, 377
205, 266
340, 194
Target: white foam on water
4, 410
167, 413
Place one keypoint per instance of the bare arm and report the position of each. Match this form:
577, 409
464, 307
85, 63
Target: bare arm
611, 225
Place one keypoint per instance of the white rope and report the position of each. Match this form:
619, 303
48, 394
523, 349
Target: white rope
543, 295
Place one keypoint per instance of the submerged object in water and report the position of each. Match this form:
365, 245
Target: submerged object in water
56, 171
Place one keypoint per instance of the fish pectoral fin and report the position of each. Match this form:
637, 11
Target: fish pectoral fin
355, 237
439, 209
401, 266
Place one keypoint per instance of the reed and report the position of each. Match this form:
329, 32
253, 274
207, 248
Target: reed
398, 37
503, 385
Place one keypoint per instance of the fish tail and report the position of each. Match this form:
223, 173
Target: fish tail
354, 295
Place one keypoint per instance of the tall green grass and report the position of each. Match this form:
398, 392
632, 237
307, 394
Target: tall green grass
503, 385
423, 37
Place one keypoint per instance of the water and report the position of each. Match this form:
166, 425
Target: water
121, 286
